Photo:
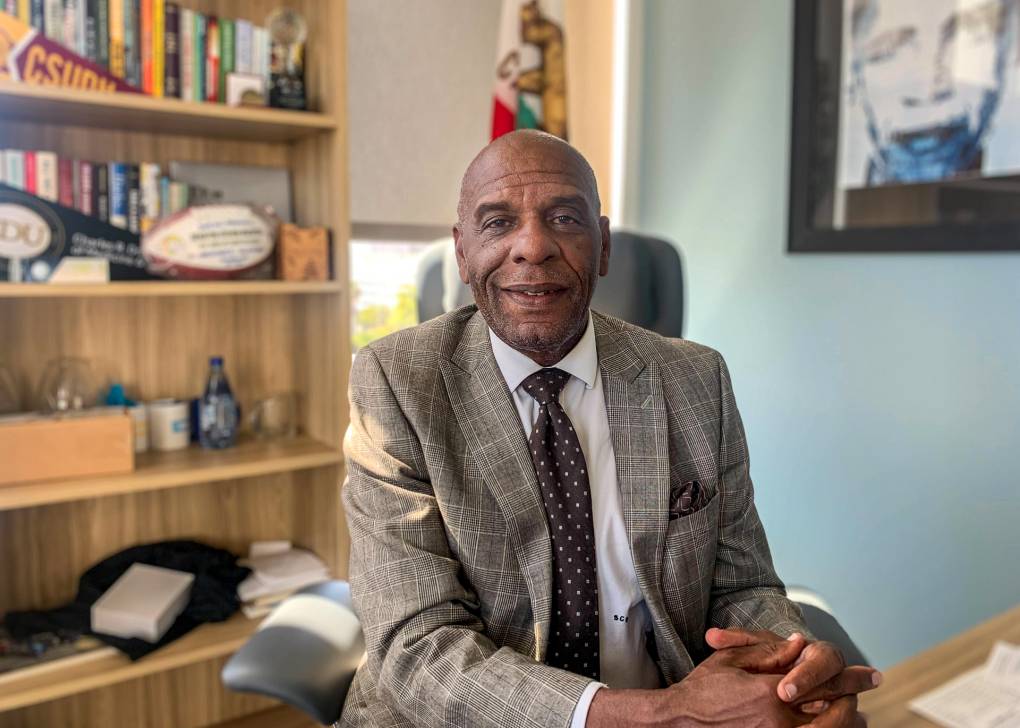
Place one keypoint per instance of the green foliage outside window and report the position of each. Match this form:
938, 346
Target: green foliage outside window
375, 321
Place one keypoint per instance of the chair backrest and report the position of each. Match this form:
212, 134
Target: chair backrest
645, 284
304, 653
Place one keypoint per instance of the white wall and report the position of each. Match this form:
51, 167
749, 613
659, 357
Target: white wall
419, 104
881, 393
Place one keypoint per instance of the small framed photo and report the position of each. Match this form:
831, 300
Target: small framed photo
244, 89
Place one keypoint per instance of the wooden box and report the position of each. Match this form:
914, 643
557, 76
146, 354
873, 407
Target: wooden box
42, 447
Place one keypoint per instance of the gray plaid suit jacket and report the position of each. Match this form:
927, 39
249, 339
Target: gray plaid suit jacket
450, 550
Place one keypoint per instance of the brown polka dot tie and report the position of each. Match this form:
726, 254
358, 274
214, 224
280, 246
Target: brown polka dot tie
563, 478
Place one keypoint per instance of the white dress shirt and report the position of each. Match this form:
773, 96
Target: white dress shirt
623, 616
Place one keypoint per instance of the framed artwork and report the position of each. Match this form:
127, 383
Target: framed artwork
906, 126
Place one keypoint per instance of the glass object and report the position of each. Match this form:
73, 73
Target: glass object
275, 416
66, 385
217, 410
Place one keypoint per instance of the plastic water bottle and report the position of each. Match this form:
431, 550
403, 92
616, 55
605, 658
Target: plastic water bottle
217, 412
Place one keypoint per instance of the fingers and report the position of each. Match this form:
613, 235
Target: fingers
841, 713
849, 681
722, 639
763, 657
821, 661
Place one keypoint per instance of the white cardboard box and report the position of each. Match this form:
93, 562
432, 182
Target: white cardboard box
142, 603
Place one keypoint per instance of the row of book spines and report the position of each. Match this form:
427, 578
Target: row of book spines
157, 46
129, 196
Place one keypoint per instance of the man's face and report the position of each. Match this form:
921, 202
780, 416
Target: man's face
931, 73
531, 244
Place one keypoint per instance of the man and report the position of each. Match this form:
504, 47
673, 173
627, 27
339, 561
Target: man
930, 77
549, 507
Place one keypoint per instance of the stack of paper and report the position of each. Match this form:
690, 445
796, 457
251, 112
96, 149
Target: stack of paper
278, 570
986, 697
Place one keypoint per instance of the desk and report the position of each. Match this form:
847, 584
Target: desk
887, 706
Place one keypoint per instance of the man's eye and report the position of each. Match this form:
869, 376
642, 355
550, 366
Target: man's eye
564, 220
496, 222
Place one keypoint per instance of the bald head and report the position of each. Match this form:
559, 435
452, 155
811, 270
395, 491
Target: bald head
518, 153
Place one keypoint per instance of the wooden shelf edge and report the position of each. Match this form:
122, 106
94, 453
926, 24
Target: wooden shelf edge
167, 288
107, 667
73, 107
159, 471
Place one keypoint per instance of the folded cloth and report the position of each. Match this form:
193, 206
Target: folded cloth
281, 571
213, 593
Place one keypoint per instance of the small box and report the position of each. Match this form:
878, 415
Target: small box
303, 253
75, 444
143, 602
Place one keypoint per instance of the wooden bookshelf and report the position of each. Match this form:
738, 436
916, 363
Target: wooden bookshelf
106, 666
159, 470
167, 288
138, 112
156, 338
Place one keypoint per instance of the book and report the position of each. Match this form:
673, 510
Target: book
25, 11
261, 54
158, 31
103, 33
79, 26
101, 191
164, 197
31, 173
212, 59
118, 194
179, 196
242, 46
148, 182
116, 26
53, 20
172, 51
132, 51
186, 37
226, 57
69, 25
198, 58
37, 15
92, 30
46, 176
10, 7
145, 27
75, 183
86, 177
133, 199
65, 181
14, 168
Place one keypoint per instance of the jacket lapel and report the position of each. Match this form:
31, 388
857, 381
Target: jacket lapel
491, 426
640, 433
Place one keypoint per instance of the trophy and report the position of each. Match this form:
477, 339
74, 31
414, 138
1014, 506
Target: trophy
287, 32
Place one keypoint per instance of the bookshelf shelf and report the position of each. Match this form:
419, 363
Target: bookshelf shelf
168, 288
106, 666
161, 470
138, 112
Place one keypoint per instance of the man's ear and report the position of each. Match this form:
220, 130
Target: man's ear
458, 246
606, 244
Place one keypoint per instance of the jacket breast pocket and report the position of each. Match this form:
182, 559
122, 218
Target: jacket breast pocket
688, 565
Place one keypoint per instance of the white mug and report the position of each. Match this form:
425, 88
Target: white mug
169, 426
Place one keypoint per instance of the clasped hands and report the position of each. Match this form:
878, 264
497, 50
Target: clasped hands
760, 679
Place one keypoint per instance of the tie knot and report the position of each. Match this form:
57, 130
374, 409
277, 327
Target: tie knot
545, 385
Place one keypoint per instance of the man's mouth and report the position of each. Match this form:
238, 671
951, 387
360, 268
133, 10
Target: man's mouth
534, 294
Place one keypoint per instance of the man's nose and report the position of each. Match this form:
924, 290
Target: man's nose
533, 244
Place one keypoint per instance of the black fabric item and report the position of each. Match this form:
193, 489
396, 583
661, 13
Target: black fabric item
563, 479
213, 593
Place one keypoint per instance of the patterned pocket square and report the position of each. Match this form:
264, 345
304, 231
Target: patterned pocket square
686, 499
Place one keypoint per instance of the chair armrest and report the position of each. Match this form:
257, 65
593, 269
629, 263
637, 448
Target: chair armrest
305, 653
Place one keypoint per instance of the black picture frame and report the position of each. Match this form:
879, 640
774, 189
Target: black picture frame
803, 236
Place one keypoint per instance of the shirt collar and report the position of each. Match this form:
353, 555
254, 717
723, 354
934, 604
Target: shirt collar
582, 361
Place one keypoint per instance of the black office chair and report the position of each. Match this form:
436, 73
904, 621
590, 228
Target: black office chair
645, 284
305, 653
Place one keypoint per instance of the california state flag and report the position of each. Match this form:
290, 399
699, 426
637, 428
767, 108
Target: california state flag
531, 72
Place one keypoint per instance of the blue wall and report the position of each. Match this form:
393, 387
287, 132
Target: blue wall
881, 394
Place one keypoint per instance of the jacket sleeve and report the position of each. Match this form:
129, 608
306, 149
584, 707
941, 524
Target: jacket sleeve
426, 645
746, 591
